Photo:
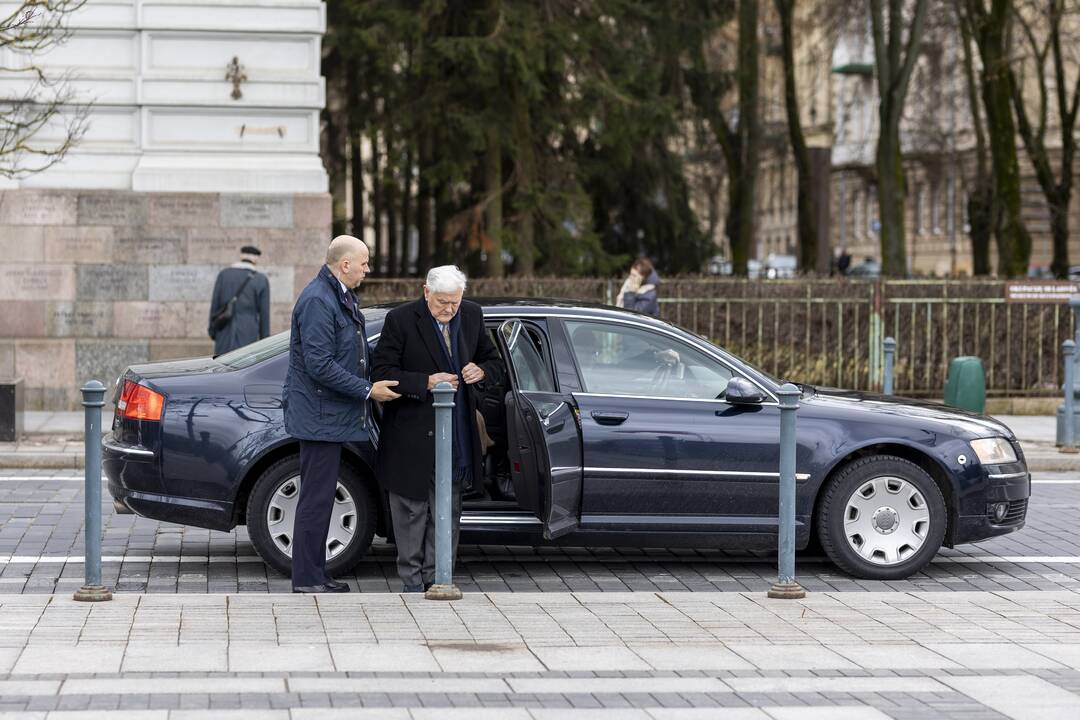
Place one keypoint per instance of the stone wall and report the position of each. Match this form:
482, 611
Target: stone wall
93, 281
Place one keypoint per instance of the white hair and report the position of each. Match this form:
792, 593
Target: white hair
445, 279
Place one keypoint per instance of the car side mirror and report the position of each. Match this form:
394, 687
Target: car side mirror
741, 391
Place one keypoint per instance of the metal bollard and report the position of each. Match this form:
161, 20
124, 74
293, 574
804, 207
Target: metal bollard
1068, 351
444, 587
786, 587
92, 589
890, 351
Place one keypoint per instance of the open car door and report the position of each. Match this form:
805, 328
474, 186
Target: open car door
544, 435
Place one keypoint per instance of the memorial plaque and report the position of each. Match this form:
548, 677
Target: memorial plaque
112, 208
1040, 291
186, 210
79, 319
182, 282
112, 282
36, 207
37, 282
312, 211
104, 360
287, 247
78, 244
269, 211
148, 320
22, 319
180, 349
150, 245
49, 363
22, 243
213, 246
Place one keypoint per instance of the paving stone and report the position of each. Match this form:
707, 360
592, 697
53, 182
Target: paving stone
54, 658
372, 657
993, 655
1019, 697
187, 657
464, 658
589, 658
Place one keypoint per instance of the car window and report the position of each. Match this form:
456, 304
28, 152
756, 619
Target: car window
623, 360
525, 347
256, 352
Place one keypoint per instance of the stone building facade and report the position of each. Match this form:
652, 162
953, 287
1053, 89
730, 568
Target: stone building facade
109, 258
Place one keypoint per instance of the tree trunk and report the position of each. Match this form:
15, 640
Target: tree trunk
378, 259
525, 170
337, 132
425, 202
1013, 240
1059, 231
356, 152
390, 197
406, 211
980, 203
891, 197
741, 226
806, 212
493, 214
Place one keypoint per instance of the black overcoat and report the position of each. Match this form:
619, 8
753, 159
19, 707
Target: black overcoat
251, 315
409, 352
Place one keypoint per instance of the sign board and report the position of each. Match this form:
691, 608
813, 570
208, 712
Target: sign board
1040, 291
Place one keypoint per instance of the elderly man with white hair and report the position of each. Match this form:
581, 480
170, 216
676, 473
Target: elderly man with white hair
437, 338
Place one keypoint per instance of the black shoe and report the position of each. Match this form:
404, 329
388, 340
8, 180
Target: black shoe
337, 586
427, 586
413, 588
324, 588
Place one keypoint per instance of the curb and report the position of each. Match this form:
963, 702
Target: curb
42, 461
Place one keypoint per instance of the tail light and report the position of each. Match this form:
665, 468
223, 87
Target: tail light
138, 402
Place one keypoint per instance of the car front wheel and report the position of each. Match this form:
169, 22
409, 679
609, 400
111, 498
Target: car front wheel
271, 512
882, 518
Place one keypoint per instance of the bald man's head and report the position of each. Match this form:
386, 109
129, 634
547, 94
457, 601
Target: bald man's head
347, 258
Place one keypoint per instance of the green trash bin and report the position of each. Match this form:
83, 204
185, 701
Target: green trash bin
966, 385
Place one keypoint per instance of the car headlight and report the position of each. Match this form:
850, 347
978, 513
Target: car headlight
993, 451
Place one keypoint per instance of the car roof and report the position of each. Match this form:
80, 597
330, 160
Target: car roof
547, 306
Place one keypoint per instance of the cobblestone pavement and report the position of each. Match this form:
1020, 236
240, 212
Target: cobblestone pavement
544, 655
41, 515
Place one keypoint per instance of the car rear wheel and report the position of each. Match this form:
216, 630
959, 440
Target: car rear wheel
271, 512
882, 518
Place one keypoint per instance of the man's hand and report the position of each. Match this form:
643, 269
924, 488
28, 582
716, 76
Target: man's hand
437, 378
472, 373
381, 391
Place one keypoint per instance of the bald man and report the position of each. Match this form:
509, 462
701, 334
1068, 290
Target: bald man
325, 398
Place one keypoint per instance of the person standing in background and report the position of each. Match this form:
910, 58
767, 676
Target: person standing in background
240, 305
639, 290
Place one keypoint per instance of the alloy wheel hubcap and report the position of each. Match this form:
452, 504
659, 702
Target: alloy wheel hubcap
886, 520
281, 515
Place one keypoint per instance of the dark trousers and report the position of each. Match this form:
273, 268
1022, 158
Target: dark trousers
414, 531
319, 464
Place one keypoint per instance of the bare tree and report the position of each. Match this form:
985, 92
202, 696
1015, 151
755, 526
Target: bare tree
40, 117
991, 26
894, 61
1042, 23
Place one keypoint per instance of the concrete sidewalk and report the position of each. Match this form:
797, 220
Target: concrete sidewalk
566, 655
53, 440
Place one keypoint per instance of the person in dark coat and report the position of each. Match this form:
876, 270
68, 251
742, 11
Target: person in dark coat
325, 399
639, 291
250, 312
437, 338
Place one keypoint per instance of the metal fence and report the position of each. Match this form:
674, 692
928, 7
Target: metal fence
829, 332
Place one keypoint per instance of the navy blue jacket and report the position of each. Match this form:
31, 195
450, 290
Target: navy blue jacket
251, 314
644, 302
325, 393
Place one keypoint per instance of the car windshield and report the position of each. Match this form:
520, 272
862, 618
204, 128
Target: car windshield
260, 350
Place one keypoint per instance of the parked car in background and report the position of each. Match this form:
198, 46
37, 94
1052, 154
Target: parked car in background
868, 268
610, 428
781, 266
718, 265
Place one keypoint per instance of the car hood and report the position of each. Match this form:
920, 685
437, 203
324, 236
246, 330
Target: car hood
918, 412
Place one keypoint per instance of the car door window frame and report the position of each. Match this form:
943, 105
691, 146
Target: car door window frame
494, 322
735, 372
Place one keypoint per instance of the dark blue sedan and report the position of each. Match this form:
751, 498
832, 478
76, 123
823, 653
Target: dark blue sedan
607, 428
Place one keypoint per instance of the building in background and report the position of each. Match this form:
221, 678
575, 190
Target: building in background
203, 136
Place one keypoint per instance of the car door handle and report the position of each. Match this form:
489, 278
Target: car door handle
609, 418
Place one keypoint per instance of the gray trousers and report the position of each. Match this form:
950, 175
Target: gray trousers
414, 532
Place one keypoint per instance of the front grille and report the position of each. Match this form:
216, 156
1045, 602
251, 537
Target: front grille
1017, 511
